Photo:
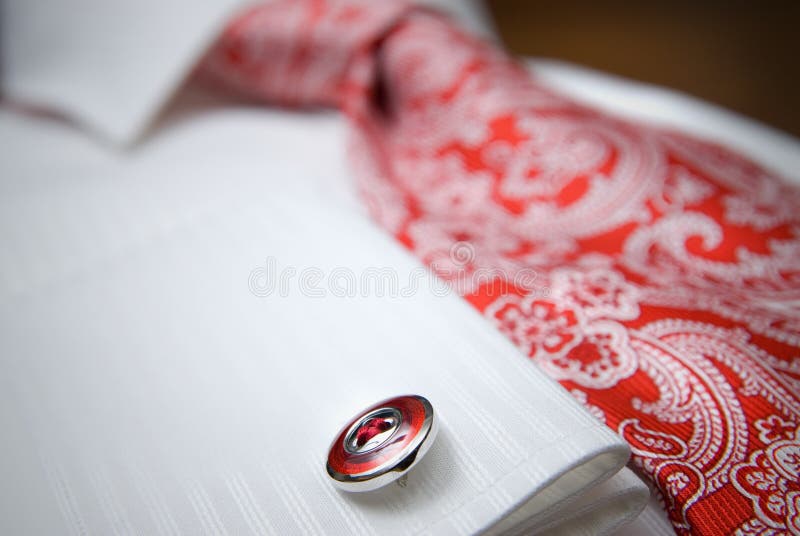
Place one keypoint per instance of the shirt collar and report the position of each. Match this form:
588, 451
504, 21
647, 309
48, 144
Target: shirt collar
111, 65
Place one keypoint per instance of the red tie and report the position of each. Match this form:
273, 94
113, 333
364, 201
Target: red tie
657, 277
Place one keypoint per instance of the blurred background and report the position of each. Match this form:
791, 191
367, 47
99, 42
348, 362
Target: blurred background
743, 55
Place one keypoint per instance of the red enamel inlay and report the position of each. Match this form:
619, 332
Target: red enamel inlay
413, 415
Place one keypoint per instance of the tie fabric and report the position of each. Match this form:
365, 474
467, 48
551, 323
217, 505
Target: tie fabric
655, 276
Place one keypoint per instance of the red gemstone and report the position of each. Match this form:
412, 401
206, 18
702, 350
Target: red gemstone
370, 429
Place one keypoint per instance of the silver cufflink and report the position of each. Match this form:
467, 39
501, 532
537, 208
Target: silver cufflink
382, 443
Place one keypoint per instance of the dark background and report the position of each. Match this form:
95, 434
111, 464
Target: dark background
742, 55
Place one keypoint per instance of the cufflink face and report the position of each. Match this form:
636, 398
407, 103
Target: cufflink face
382, 443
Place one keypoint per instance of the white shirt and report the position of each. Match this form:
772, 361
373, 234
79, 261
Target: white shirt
150, 385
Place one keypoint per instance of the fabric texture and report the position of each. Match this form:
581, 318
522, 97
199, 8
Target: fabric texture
146, 388
654, 275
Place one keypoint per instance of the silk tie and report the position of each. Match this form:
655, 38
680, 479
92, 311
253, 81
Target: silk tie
655, 276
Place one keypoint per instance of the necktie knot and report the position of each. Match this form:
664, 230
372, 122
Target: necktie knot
301, 52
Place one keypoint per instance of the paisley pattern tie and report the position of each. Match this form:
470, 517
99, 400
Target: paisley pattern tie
656, 276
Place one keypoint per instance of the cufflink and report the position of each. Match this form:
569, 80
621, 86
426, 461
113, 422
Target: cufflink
382, 443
